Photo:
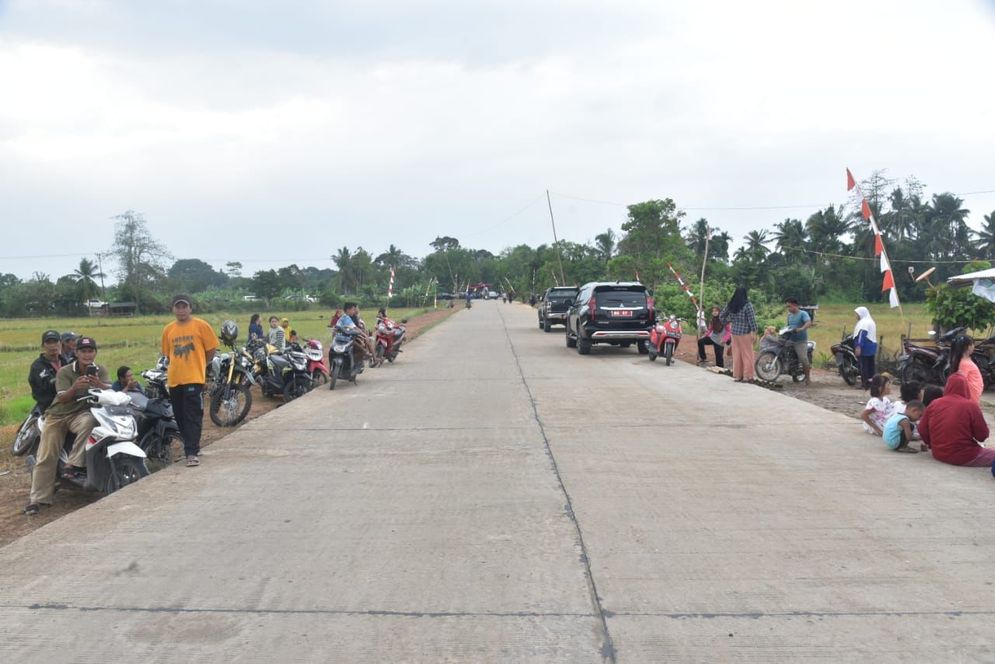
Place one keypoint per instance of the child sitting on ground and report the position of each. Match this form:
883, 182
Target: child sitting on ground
910, 391
879, 407
930, 394
770, 340
898, 429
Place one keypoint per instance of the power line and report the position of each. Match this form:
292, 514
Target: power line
891, 260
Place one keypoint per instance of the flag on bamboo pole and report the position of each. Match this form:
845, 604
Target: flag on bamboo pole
390, 285
888, 277
684, 287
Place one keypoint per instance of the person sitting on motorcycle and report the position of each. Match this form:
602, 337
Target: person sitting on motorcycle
68, 353
65, 415
126, 381
351, 325
798, 323
277, 338
41, 376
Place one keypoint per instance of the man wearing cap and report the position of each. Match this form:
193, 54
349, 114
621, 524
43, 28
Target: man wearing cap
41, 376
68, 347
66, 414
190, 344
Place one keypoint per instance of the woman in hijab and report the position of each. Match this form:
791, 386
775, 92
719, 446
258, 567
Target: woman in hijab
743, 321
953, 426
716, 334
865, 344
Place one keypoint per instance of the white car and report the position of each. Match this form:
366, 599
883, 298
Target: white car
94, 304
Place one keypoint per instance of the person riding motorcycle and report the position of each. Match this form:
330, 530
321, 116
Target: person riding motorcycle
41, 376
351, 325
66, 414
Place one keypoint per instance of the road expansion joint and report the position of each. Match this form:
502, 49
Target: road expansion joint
608, 652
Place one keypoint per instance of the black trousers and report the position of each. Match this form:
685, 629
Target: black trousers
866, 369
188, 409
719, 351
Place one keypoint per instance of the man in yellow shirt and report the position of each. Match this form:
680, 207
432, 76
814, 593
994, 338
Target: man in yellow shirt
190, 344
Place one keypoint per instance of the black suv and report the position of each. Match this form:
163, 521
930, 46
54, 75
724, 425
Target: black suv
616, 313
554, 305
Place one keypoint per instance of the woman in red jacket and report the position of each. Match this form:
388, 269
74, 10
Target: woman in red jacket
953, 425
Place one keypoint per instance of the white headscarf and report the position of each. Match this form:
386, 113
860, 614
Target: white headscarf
865, 323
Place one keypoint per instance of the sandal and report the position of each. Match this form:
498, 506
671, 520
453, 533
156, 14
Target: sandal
192, 461
907, 449
34, 508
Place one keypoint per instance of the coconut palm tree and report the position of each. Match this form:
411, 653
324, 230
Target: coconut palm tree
86, 276
985, 242
791, 239
604, 245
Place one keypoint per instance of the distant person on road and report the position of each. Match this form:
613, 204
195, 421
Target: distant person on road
717, 334
277, 337
865, 344
961, 362
879, 407
255, 328
66, 414
126, 381
743, 325
898, 430
532, 300
953, 427
68, 347
799, 321
41, 375
190, 344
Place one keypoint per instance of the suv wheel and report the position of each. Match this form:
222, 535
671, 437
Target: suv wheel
546, 325
571, 340
643, 347
584, 346
541, 322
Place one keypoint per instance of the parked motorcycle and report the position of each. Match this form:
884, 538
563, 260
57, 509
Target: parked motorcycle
157, 430
113, 460
280, 373
343, 360
664, 337
390, 336
316, 366
846, 358
231, 396
927, 363
782, 359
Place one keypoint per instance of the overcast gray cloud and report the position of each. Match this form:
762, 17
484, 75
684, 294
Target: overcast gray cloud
270, 132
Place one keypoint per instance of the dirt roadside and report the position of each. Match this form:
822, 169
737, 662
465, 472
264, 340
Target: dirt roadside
15, 480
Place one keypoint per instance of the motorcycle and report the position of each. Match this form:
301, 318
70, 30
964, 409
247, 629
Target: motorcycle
28, 434
664, 337
231, 396
284, 373
390, 336
846, 358
316, 366
113, 460
343, 360
927, 364
157, 430
781, 358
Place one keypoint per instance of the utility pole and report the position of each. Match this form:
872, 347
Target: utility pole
559, 256
100, 267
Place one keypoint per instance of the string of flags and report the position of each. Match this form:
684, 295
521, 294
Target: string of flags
888, 277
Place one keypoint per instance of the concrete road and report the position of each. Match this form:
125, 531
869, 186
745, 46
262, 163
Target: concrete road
495, 497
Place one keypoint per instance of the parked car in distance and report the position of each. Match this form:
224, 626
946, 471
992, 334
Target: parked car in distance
251, 298
94, 304
610, 312
553, 306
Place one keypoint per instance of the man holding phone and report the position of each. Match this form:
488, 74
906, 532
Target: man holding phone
67, 414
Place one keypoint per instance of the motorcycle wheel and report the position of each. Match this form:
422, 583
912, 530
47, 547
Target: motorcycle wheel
161, 451
27, 437
334, 376
393, 354
915, 371
318, 377
230, 405
850, 371
768, 367
294, 388
652, 353
668, 353
127, 470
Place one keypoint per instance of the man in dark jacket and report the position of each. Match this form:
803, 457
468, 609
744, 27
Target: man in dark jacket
41, 376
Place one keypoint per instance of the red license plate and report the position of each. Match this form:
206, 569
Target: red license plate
622, 314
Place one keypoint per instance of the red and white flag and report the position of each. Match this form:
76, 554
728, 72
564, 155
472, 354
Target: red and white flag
390, 285
888, 277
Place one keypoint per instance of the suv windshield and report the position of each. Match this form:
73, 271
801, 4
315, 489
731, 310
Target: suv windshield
561, 296
621, 298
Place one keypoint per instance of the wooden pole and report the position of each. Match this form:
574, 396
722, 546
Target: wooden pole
556, 241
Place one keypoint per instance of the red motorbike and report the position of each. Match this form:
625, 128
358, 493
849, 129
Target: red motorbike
664, 337
390, 336
316, 366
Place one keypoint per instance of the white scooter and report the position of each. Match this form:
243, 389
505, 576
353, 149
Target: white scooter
113, 460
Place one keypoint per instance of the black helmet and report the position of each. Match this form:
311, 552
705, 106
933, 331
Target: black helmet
229, 332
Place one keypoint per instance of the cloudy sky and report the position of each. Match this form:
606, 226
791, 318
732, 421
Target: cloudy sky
274, 132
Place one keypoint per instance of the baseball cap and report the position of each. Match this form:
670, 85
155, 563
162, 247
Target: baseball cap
86, 342
50, 335
181, 298
69, 336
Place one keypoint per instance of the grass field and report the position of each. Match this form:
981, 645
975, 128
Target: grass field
831, 320
122, 341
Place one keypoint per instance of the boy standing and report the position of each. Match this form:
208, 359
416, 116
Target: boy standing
190, 344
898, 429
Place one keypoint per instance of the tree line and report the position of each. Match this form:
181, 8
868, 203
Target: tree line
827, 255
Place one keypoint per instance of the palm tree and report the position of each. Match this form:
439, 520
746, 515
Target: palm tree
86, 275
791, 239
826, 230
604, 245
346, 276
986, 237
755, 249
